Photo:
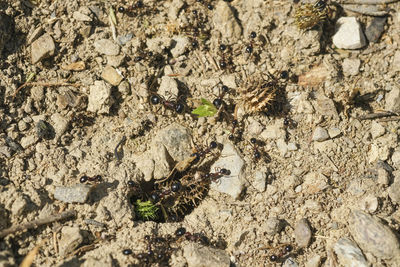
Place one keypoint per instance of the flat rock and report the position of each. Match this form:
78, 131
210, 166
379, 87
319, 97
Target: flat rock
393, 100
232, 184
349, 34
71, 238
274, 131
373, 236
302, 233
100, 99
145, 164
111, 76
29, 140
349, 254
377, 130
168, 87
351, 66
180, 44
325, 106
201, 256
160, 155
272, 226
320, 134
60, 123
375, 28
42, 48
260, 180
334, 132
72, 194
225, 22
106, 47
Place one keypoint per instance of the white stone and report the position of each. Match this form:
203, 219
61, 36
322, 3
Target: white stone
320, 134
260, 181
334, 132
282, 146
314, 261
100, 98
27, 141
107, 47
351, 67
349, 254
396, 158
181, 44
168, 87
393, 100
349, 34
377, 130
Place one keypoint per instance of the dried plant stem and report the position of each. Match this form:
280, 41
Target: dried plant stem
38, 222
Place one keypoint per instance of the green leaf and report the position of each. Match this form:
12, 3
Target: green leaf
205, 110
146, 210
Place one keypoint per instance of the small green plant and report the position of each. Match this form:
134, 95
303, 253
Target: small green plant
146, 210
207, 109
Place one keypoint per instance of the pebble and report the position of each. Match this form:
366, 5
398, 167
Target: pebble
349, 254
81, 17
292, 147
35, 34
375, 28
272, 226
394, 190
225, 22
60, 123
273, 131
106, 47
393, 100
325, 106
260, 179
255, 128
302, 233
314, 182
314, 261
320, 134
72, 194
396, 158
115, 61
160, 155
334, 132
369, 204
383, 177
377, 130
351, 66
349, 34
168, 87
232, 184
373, 236
71, 238
180, 44
111, 76
309, 44
201, 256
145, 164
99, 98
19, 205
176, 140
396, 61
290, 262
27, 141
42, 48
174, 8
22, 126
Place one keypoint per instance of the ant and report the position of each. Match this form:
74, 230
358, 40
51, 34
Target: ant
257, 153
202, 153
218, 102
137, 9
281, 251
176, 106
214, 177
239, 132
157, 196
196, 237
95, 179
224, 62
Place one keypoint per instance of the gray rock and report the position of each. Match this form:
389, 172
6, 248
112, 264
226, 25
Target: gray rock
377, 130
37, 93
314, 261
71, 238
260, 179
393, 100
349, 254
351, 66
168, 87
394, 190
160, 155
320, 134
272, 226
225, 22
290, 262
111, 76
180, 44
375, 28
396, 61
106, 47
373, 236
302, 233
201, 256
42, 48
60, 123
72, 194
232, 184
100, 99
176, 140
349, 34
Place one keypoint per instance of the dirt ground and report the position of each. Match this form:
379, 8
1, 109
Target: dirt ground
325, 171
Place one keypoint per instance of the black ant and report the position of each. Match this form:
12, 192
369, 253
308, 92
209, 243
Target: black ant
214, 177
176, 106
239, 132
257, 153
137, 9
157, 196
218, 102
196, 237
85, 178
202, 153
282, 250
223, 51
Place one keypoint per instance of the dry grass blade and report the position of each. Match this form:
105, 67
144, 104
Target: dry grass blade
30, 257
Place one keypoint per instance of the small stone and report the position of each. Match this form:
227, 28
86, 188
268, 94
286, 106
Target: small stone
111, 76
325, 106
349, 254
334, 132
302, 233
81, 17
320, 134
255, 128
180, 44
19, 205
396, 158
22, 126
351, 67
282, 146
27, 141
377, 130
37, 93
71, 238
106, 47
369, 204
225, 22
232, 184
292, 147
168, 87
260, 179
396, 61
124, 88
174, 9
290, 262
394, 190
160, 155
272, 226
314, 182
373, 236
393, 100
100, 98
202, 256
349, 34
115, 61
375, 28
383, 177
72, 194
35, 34
146, 165
60, 123
310, 44
42, 48
314, 261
